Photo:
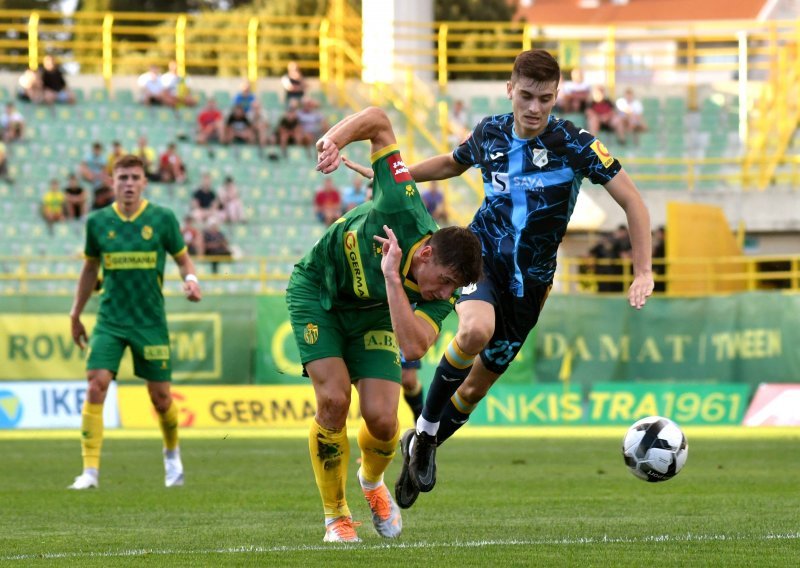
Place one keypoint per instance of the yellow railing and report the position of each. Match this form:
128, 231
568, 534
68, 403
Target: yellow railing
23, 275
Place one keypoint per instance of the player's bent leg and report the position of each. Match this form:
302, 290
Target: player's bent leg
465, 400
376, 455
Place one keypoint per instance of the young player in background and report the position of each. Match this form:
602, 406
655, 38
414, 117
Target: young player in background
130, 240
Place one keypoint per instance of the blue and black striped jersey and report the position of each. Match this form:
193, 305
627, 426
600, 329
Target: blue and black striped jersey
530, 189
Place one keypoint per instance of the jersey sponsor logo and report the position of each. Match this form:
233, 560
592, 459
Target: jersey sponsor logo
398, 168
353, 254
540, 157
500, 182
147, 232
311, 333
156, 352
383, 340
129, 260
496, 155
602, 152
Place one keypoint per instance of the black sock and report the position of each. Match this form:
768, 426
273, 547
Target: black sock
445, 381
415, 402
452, 420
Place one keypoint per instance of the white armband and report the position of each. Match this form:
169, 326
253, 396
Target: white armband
191, 278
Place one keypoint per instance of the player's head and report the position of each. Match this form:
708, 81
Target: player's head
449, 260
129, 180
532, 90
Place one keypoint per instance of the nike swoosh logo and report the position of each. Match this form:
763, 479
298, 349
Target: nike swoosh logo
427, 477
496, 155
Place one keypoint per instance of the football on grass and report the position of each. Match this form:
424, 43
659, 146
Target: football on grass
655, 449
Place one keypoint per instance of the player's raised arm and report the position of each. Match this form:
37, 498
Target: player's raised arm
443, 166
369, 124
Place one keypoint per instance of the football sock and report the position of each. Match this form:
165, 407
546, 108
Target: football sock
330, 452
415, 398
455, 415
451, 372
376, 455
91, 435
169, 426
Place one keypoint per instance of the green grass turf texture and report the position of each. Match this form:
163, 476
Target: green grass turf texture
545, 498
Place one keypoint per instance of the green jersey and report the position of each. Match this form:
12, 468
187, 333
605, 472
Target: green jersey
132, 252
347, 259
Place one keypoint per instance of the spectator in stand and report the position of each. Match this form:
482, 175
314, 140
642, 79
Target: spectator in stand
458, 122
289, 130
147, 155
632, 112
230, 203
77, 202
170, 165
175, 88
601, 257
245, 97
216, 244
12, 123
151, 90
354, 194
4, 164
238, 127
93, 167
601, 115
328, 202
312, 124
103, 197
52, 208
260, 122
576, 94
205, 204
210, 124
294, 84
193, 237
29, 87
116, 153
434, 203
54, 85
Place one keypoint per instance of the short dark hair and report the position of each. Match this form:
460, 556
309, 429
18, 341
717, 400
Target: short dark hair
538, 65
129, 161
458, 248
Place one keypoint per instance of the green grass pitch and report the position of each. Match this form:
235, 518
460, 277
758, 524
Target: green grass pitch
538, 497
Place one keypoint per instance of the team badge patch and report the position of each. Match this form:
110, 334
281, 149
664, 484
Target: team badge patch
147, 232
409, 190
112, 234
311, 333
539, 157
398, 168
602, 152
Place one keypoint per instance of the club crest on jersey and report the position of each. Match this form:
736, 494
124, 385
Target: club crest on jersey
602, 152
147, 232
398, 168
409, 190
311, 333
539, 157
112, 235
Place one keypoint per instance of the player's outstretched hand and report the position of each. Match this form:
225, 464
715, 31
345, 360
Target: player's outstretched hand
358, 168
640, 290
192, 291
327, 156
79, 335
392, 254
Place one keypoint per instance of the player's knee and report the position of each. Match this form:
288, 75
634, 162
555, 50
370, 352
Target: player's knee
474, 335
333, 407
473, 392
382, 426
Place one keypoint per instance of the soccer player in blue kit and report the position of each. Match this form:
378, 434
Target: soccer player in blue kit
532, 166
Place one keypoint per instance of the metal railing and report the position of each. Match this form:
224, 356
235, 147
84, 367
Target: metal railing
699, 276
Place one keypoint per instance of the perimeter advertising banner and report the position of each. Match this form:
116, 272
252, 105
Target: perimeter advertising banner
51, 404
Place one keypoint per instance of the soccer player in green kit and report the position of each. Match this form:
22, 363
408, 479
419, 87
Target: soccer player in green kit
350, 304
130, 240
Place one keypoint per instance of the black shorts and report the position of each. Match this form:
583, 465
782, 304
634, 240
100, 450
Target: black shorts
514, 318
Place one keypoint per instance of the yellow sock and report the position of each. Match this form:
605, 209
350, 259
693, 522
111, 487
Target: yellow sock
91, 434
169, 426
376, 455
330, 452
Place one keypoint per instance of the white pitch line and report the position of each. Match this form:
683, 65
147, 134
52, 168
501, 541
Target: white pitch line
573, 541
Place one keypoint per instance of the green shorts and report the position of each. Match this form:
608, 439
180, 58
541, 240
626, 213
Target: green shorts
362, 337
149, 347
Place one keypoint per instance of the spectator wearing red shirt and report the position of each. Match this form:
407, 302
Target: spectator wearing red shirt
170, 165
328, 203
210, 123
602, 114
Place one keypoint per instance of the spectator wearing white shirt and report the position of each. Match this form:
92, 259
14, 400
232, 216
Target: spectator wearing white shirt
632, 112
175, 88
151, 89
